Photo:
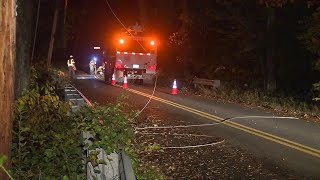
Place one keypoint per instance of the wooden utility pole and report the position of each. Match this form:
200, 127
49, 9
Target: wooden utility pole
7, 57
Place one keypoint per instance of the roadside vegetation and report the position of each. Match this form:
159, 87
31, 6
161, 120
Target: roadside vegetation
47, 137
273, 50
297, 103
281, 102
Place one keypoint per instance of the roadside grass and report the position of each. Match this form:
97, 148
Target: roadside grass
277, 101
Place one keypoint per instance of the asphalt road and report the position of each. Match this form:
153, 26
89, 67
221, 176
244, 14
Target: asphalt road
293, 144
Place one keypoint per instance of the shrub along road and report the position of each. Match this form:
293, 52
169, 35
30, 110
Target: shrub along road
252, 147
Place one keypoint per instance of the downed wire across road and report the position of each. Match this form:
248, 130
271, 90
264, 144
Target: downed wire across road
189, 135
213, 124
199, 135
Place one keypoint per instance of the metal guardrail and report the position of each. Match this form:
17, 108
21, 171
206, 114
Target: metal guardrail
119, 167
207, 82
125, 167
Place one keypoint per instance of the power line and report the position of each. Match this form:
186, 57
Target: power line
213, 124
155, 84
187, 135
114, 14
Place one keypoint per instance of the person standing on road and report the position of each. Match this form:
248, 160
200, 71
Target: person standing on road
92, 65
100, 69
108, 71
71, 67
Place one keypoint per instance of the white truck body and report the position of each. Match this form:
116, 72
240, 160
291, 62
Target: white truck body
136, 60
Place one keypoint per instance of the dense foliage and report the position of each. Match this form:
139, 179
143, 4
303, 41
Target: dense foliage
216, 40
47, 137
222, 40
311, 39
45, 140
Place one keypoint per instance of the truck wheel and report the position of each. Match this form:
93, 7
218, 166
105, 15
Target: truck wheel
140, 81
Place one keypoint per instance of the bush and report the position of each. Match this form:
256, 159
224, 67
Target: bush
277, 101
47, 138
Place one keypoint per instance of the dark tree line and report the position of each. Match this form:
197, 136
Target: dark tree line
17, 32
269, 44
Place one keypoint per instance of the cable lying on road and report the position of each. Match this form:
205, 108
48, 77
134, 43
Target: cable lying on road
175, 134
195, 146
127, 30
200, 125
184, 147
213, 124
154, 90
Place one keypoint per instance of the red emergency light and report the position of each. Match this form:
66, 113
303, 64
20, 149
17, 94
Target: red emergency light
152, 67
119, 66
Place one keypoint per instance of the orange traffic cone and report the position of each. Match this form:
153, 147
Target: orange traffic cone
174, 88
113, 80
125, 82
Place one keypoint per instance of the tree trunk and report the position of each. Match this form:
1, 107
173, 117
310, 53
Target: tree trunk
65, 9
270, 51
53, 32
7, 56
64, 35
184, 28
24, 33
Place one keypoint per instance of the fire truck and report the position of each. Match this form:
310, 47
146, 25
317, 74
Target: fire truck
135, 57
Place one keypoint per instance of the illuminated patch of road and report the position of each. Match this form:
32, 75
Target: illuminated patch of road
300, 147
85, 77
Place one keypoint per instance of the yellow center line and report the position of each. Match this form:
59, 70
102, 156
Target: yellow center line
262, 134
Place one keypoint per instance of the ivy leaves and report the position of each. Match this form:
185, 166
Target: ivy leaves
109, 128
46, 141
47, 138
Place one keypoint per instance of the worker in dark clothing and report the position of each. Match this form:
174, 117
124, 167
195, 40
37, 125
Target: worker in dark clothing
108, 71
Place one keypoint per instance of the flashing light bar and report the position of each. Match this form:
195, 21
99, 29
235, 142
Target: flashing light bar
96, 47
134, 53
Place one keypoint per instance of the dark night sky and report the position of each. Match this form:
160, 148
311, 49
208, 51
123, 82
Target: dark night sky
213, 34
100, 24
